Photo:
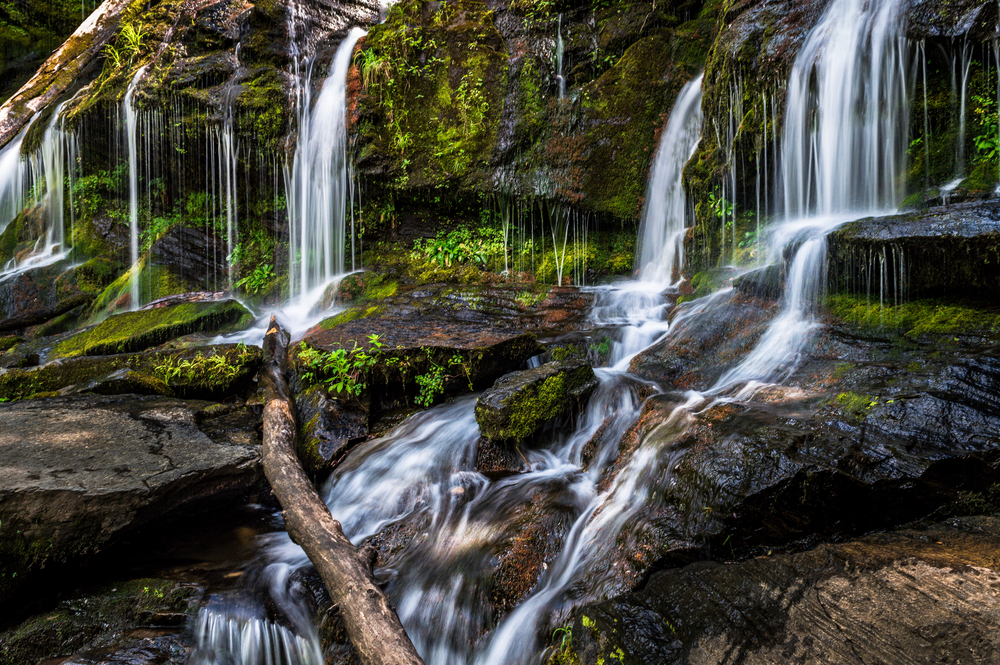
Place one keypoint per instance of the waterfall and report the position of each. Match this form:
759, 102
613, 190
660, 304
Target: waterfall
560, 48
128, 108
661, 235
320, 183
13, 178
847, 113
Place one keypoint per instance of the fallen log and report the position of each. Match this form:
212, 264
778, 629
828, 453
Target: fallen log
61, 69
372, 625
41, 316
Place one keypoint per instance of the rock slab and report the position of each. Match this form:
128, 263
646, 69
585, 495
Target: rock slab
76, 472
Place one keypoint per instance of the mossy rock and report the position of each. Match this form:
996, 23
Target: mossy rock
136, 331
204, 372
98, 619
520, 403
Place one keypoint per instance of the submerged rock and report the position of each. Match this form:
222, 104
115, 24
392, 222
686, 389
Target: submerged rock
929, 594
520, 403
75, 473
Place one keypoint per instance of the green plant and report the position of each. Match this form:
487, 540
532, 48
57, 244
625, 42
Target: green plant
258, 280
720, 206
987, 141
129, 43
343, 370
432, 382
215, 368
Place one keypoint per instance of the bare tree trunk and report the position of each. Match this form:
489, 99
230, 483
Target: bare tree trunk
61, 69
371, 623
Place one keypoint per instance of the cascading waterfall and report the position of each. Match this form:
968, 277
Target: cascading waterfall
129, 110
14, 178
424, 473
560, 49
320, 185
844, 142
661, 235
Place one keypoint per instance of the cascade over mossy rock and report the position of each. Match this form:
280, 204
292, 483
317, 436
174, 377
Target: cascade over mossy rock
927, 592
952, 249
520, 403
75, 473
136, 331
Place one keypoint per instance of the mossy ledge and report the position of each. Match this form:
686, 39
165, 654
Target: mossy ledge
520, 403
136, 331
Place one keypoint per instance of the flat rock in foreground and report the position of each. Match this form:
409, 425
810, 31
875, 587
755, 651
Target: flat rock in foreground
910, 596
75, 472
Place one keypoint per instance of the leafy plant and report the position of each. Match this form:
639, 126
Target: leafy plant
720, 206
258, 280
987, 142
343, 370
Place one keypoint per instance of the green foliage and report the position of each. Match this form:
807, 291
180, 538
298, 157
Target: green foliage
127, 47
258, 280
432, 382
215, 369
984, 106
461, 246
721, 208
343, 370
855, 405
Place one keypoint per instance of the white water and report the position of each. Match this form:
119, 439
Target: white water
44, 175
133, 186
423, 474
661, 235
320, 185
560, 51
14, 177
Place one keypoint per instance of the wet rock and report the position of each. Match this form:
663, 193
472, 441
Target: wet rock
190, 254
136, 331
424, 329
706, 341
328, 429
888, 598
127, 623
767, 283
520, 403
952, 249
76, 473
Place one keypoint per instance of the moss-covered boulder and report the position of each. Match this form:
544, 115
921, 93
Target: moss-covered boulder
520, 403
206, 372
136, 331
119, 618
328, 429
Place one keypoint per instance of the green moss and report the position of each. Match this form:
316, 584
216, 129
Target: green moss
855, 405
97, 274
260, 112
918, 317
135, 331
346, 316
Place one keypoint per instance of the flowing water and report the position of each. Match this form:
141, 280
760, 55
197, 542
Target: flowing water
320, 184
841, 156
130, 112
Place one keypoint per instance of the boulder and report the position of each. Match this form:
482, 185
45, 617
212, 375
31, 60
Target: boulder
925, 594
77, 473
136, 331
224, 370
328, 429
953, 249
520, 403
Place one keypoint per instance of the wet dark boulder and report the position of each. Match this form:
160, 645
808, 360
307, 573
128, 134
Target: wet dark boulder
767, 283
952, 249
78, 473
190, 254
705, 341
521, 403
328, 428
466, 339
124, 623
889, 597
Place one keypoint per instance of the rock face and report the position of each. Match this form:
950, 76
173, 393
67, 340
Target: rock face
77, 472
951, 249
328, 428
520, 403
919, 595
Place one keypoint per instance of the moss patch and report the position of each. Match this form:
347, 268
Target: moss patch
135, 331
919, 317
